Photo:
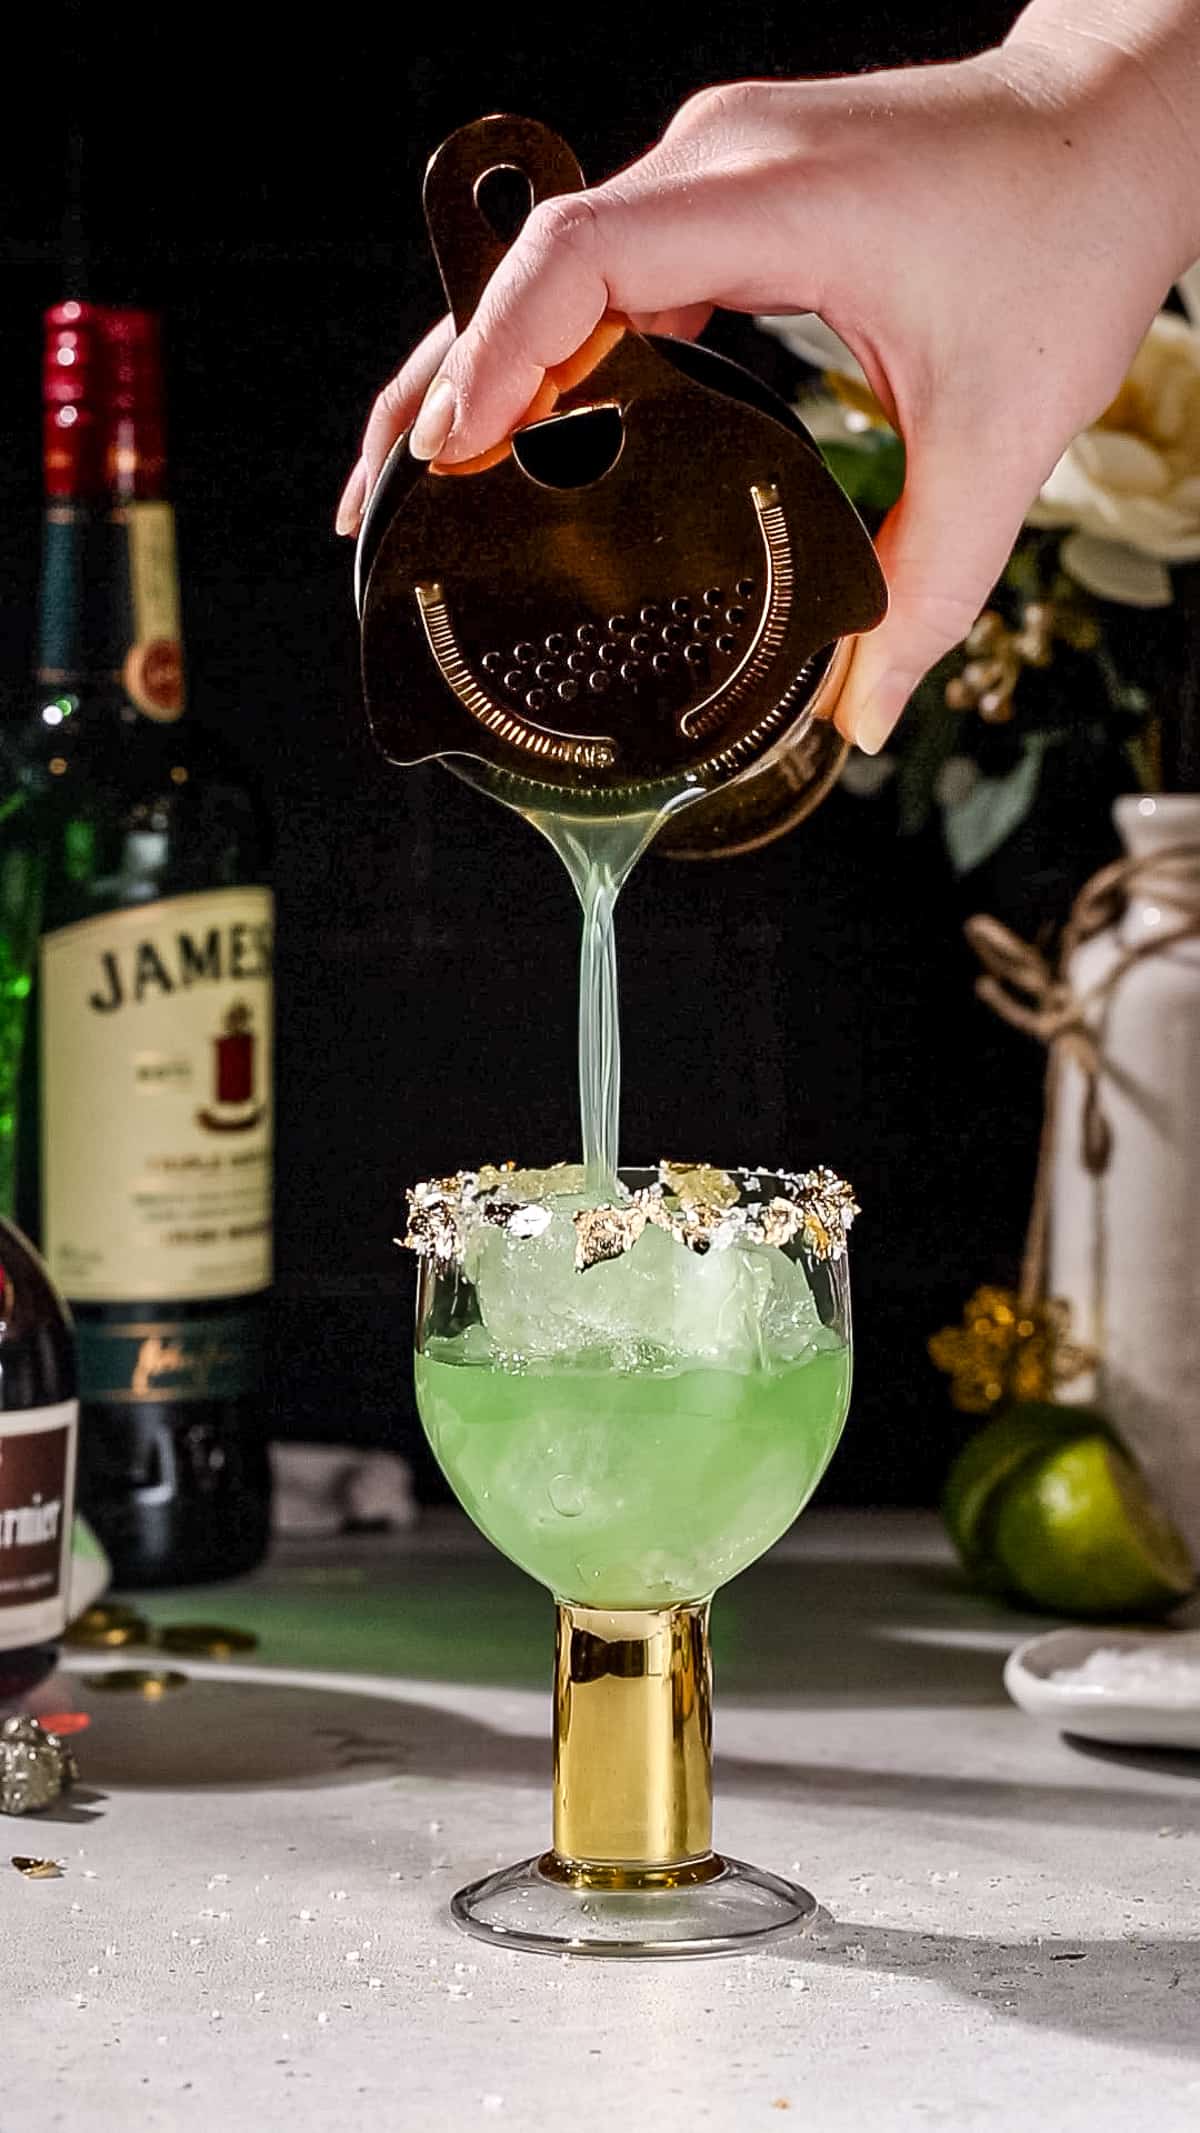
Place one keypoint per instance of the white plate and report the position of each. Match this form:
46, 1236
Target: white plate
1101, 1713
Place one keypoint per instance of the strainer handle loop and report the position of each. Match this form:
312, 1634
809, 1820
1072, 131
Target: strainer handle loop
466, 247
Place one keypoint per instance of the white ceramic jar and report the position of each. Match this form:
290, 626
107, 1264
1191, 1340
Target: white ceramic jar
1125, 1246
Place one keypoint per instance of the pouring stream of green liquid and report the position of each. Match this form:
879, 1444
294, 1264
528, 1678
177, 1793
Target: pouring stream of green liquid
599, 853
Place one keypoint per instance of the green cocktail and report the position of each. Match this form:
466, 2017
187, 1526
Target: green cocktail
633, 1398
631, 1488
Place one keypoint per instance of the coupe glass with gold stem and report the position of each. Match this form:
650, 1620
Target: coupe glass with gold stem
632, 1397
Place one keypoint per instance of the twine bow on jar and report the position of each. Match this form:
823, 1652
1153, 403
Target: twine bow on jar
1033, 993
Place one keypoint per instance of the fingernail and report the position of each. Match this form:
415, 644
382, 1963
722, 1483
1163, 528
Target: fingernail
350, 509
882, 709
434, 422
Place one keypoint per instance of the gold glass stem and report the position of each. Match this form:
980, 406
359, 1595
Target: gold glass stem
632, 1747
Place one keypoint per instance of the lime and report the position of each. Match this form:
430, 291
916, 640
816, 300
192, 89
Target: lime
989, 1460
1077, 1532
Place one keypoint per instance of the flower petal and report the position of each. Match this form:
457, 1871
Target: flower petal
1067, 492
1116, 460
1150, 523
1115, 572
1188, 286
810, 338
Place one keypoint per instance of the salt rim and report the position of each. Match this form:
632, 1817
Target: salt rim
697, 1204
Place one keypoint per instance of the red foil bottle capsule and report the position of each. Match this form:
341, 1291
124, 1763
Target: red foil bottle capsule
73, 393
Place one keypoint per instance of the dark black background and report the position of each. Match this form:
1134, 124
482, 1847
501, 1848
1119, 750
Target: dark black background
812, 1003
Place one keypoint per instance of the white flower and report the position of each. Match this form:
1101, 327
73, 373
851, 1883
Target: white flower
848, 406
814, 342
1129, 487
1127, 491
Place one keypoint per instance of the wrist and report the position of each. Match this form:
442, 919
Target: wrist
1121, 78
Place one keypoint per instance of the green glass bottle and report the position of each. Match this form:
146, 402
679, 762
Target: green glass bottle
144, 1140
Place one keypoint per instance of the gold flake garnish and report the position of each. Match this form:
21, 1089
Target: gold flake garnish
37, 1869
701, 1206
491, 1176
700, 1225
499, 1212
779, 1221
545, 1184
699, 1184
606, 1232
433, 1230
827, 1208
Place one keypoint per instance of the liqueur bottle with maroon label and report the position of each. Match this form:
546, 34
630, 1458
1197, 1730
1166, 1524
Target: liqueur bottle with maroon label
144, 1128
38, 1438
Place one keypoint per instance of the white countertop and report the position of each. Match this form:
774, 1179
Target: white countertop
251, 1929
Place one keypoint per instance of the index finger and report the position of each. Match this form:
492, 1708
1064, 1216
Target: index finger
662, 239
397, 404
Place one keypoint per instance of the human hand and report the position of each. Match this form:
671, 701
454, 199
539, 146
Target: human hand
970, 231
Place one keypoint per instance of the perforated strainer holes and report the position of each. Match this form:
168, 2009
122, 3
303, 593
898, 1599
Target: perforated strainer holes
571, 451
504, 197
588, 658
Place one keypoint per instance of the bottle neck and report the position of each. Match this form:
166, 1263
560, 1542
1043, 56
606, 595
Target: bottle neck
109, 611
109, 624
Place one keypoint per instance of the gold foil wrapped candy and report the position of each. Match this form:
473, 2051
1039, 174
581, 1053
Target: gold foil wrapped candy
149, 1681
107, 1628
35, 1766
205, 1640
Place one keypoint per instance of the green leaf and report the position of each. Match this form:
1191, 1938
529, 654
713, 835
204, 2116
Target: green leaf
996, 807
928, 733
870, 470
1142, 752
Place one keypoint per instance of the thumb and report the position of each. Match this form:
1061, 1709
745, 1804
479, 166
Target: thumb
942, 548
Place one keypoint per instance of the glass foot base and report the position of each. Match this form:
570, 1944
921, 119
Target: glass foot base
718, 1907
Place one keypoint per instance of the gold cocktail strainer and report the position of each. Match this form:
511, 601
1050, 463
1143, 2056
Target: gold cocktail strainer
651, 584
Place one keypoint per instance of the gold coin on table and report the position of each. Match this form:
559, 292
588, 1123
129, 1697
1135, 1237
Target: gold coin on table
205, 1640
107, 1628
150, 1682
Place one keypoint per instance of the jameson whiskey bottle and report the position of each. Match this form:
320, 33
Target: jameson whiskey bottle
38, 1431
144, 1130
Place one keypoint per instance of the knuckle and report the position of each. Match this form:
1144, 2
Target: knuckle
944, 617
935, 613
725, 105
565, 224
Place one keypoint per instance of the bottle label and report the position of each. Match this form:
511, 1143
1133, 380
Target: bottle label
37, 1492
156, 1100
110, 604
144, 1359
153, 669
